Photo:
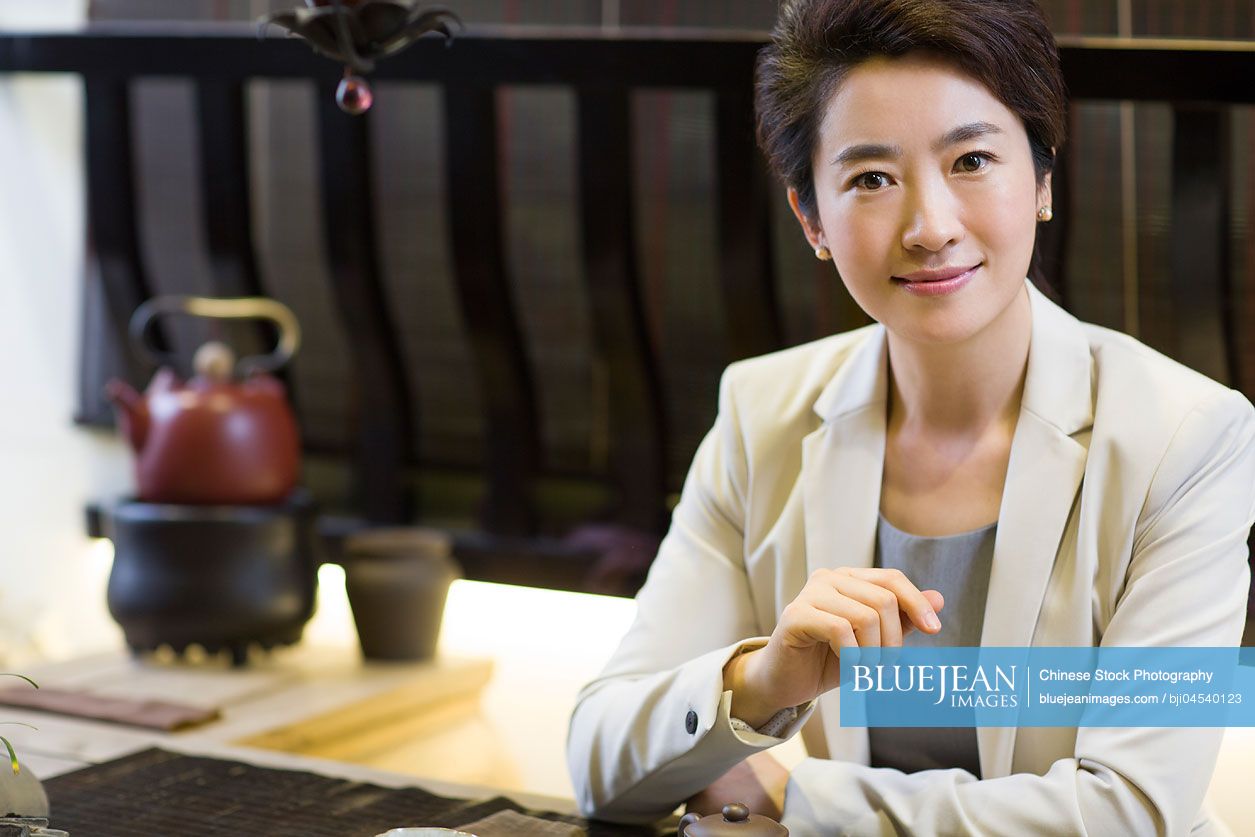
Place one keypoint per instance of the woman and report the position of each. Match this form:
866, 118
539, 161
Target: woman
977, 467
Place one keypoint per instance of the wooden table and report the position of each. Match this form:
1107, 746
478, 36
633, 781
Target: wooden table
487, 717
308, 708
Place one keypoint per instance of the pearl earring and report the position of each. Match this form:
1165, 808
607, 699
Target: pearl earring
823, 253
1045, 214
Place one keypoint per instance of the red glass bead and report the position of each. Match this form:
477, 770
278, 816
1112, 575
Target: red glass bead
353, 95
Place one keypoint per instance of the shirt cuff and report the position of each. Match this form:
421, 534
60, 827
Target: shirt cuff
779, 726
774, 725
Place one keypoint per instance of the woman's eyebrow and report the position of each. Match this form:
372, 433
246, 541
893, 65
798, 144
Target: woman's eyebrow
876, 151
964, 133
867, 151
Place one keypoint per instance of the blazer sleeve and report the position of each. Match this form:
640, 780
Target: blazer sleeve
653, 728
1186, 585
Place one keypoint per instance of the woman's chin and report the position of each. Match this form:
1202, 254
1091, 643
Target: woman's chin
936, 329
948, 324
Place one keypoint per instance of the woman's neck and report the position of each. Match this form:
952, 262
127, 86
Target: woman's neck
961, 389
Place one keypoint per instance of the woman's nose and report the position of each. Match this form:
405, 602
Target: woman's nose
932, 221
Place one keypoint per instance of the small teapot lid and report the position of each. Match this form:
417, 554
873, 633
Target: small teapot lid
734, 821
214, 361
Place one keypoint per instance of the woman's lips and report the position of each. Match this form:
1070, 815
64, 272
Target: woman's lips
935, 282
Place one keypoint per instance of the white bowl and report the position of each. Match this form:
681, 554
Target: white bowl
424, 832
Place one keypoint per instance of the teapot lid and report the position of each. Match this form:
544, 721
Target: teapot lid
736, 821
214, 361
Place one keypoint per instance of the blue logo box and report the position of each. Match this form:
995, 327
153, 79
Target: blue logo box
1047, 687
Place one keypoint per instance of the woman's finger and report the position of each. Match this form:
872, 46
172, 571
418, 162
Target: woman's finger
808, 621
836, 630
910, 599
935, 598
880, 599
820, 594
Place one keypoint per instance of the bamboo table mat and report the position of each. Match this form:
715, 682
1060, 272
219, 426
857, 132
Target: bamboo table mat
157, 793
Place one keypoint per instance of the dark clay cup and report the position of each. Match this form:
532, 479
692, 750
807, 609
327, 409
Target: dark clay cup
397, 581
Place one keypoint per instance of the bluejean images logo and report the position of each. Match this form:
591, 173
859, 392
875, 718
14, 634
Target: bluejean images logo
1047, 687
963, 686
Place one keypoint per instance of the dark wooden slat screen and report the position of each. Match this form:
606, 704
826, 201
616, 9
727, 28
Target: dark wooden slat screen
486, 57
224, 180
1206, 339
1158, 70
383, 401
637, 432
745, 262
512, 436
225, 188
112, 213
1142, 69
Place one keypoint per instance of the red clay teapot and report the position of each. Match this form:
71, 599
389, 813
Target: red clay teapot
734, 820
227, 435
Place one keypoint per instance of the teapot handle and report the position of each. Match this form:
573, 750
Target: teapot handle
685, 821
237, 308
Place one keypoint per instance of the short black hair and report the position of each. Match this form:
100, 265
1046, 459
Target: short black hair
1005, 44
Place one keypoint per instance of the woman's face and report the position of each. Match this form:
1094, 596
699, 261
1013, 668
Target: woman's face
926, 196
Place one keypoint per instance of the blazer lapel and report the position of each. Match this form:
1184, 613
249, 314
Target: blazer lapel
1043, 476
843, 458
842, 462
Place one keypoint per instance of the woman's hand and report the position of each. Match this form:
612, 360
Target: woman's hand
838, 608
758, 782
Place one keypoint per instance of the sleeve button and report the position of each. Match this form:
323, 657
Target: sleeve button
690, 722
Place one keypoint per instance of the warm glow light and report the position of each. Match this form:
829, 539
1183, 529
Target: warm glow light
331, 575
101, 552
100, 564
483, 618
333, 621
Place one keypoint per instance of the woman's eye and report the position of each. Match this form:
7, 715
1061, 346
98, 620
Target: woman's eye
871, 181
972, 162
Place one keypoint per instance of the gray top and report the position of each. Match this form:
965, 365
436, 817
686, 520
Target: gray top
958, 567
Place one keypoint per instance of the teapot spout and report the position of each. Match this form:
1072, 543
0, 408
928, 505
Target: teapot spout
131, 410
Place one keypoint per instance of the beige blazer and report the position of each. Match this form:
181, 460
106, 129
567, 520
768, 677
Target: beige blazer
1129, 496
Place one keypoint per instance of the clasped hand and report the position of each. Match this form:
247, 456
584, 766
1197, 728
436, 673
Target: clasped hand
838, 608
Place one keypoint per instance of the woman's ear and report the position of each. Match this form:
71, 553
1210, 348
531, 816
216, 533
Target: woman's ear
814, 233
1044, 193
